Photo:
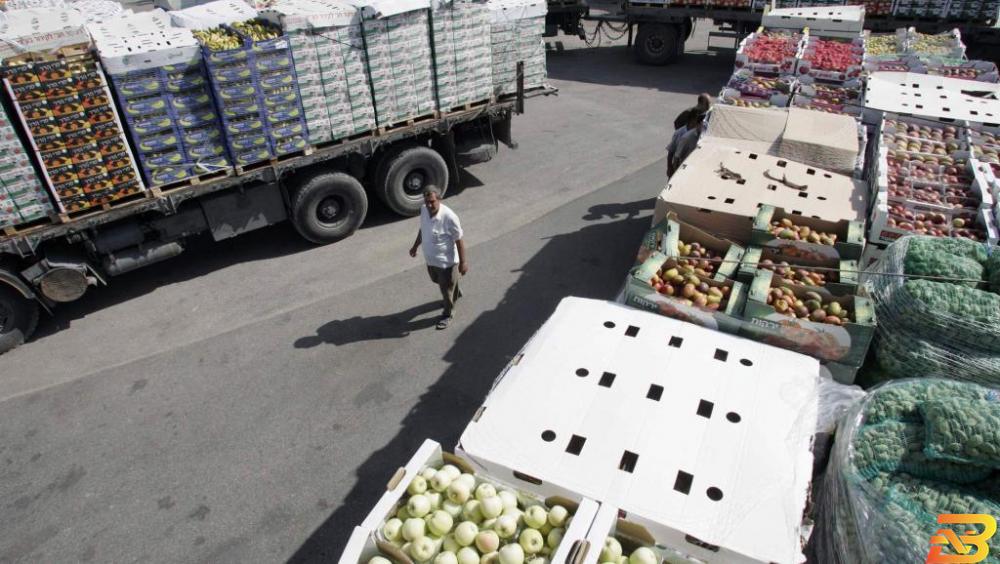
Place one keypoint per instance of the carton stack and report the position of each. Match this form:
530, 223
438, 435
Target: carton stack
22, 197
516, 30
462, 53
398, 45
166, 100
330, 64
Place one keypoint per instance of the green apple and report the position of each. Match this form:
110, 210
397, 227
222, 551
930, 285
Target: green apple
441, 481
402, 514
490, 558
484, 491
414, 528
423, 549
505, 526
558, 515
623, 559
379, 560
417, 486
487, 541
509, 499
612, 550
392, 530
488, 524
418, 505
531, 541
490, 506
453, 509
536, 516
465, 533
468, 555
435, 498
449, 544
512, 554
406, 548
440, 523
428, 473
536, 559
643, 555
451, 470
515, 513
472, 511
544, 529
446, 558
468, 480
555, 537
459, 491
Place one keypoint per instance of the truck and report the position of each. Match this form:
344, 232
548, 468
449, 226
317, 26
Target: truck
324, 193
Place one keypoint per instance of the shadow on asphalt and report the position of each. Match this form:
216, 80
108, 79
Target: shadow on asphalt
373, 328
571, 264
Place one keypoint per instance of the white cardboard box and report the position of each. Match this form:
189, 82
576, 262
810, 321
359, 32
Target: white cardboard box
213, 14
42, 29
698, 432
823, 21
934, 97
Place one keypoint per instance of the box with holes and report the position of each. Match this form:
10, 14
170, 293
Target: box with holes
703, 438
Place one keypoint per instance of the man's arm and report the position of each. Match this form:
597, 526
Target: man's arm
416, 245
463, 265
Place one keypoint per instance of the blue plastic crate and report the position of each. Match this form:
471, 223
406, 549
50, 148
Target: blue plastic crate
248, 142
221, 58
205, 150
251, 125
164, 158
161, 142
235, 109
137, 84
285, 112
235, 90
288, 129
151, 124
290, 145
270, 82
288, 95
190, 100
273, 62
188, 83
197, 117
167, 174
206, 134
251, 157
136, 107
232, 73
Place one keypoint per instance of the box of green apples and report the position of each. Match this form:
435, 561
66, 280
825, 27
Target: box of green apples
697, 251
801, 268
438, 509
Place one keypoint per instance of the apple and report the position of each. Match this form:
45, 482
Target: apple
612, 550
465, 533
485, 491
623, 559
414, 528
459, 491
441, 481
643, 555
451, 470
467, 555
403, 514
536, 559
449, 544
531, 541
423, 549
379, 560
440, 523
558, 515
453, 509
512, 554
435, 498
490, 506
555, 537
487, 541
535, 516
514, 512
506, 526
490, 558
392, 530
473, 511
488, 524
417, 486
468, 479
509, 498
446, 558
428, 473
418, 505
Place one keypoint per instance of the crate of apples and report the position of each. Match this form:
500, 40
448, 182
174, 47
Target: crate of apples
832, 94
787, 229
769, 52
831, 59
961, 223
820, 105
982, 71
798, 275
947, 45
671, 281
750, 84
811, 306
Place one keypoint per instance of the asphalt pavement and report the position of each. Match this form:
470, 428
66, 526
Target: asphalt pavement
246, 402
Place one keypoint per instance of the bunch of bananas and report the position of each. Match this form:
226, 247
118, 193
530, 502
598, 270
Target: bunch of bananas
218, 39
257, 30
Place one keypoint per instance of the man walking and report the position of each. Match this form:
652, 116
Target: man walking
440, 235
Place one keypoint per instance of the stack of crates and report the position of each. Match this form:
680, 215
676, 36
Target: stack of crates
516, 30
462, 53
23, 199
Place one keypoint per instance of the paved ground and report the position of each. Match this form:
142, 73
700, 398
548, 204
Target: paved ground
247, 402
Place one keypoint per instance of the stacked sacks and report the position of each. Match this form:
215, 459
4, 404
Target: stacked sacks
462, 53
912, 450
516, 30
935, 314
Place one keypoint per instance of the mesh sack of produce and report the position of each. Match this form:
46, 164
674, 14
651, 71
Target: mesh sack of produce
884, 489
941, 257
904, 354
993, 270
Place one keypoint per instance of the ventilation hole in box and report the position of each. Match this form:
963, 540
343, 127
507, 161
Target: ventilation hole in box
628, 461
606, 380
526, 478
729, 200
582, 372
705, 409
721, 355
796, 212
733, 417
916, 85
711, 197
741, 181
974, 112
920, 107
575, 444
609, 324
943, 97
825, 175
803, 194
811, 172
782, 164
746, 362
700, 543
772, 187
917, 95
815, 217
714, 493
548, 436
753, 156
676, 342
823, 198
940, 87
655, 392
683, 482
632, 331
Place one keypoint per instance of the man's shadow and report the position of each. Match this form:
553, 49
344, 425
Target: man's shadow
355, 329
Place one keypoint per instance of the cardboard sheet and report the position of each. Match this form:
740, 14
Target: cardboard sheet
936, 97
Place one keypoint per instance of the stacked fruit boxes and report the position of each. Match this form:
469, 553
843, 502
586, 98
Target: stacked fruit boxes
167, 103
330, 64
23, 199
462, 53
516, 30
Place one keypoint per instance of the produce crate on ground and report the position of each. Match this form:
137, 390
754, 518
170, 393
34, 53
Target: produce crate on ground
745, 88
661, 286
438, 503
909, 453
167, 102
843, 98
23, 199
678, 427
767, 51
516, 29
330, 64
813, 321
398, 49
699, 252
800, 268
822, 20
952, 101
463, 54
831, 59
948, 45
776, 228
983, 71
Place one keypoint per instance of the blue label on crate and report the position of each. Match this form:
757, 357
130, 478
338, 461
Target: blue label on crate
249, 142
282, 113
244, 126
163, 158
190, 101
205, 150
149, 125
253, 157
287, 129
131, 87
273, 63
235, 73
275, 80
182, 70
143, 106
235, 109
284, 96
200, 135
167, 174
158, 143
290, 145
237, 90
196, 118
186, 83
226, 57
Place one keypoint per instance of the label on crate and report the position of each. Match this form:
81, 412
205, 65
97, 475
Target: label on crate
94, 97
66, 105
59, 88
68, 190
101, 114
28, 92
123, 176
106, 130
144, 106
152, 124
126, 186
96, 183
165, 142
168, 174
143, 83
88, 80
169, 157
72, 122
20, 73
117, 161
35, 110
206, 150
199, 135
188, 83
85, 155
287, 129
237, 90
188, 101
56, 160
196, 118
245, 143
245, 126
111, 146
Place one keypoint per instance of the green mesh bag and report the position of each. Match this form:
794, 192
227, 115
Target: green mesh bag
993, 270
951, 313
902, 403
900, 355
963, 248
895, 446
923, 263
963, 431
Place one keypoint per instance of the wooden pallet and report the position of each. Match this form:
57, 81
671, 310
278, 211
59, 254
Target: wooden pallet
273, 161
390, 127
67, 217
470, 106
25, 228
341, 141
157, 191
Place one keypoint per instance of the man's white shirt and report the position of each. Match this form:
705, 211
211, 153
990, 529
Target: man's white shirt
438, 235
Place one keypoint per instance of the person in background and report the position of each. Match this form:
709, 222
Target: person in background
704, 103
681, 146
440, 236
672, 148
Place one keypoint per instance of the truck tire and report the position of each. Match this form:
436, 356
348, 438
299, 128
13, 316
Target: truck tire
328, 206
402, 175
656, 44
18, 318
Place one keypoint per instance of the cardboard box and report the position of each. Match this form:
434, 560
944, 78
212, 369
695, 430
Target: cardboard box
666, 236
641, 293
719, 189
369, 540
786, 66
822, 21
213, 14
41, 30
702, 434
884, 228
850, 241
847, 343
841, 275
931, 97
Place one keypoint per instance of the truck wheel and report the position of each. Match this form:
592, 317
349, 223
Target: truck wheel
403, 174
656, 44
18, 318
328, 206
